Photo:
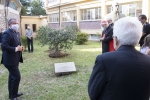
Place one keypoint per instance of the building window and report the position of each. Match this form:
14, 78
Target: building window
127, 9
34, 27
54, 17
110, 7
69, 15
132, 10
91, 14
13, 5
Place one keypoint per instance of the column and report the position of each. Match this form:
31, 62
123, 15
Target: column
60, 14
46, 3
78, 16
103, 8
146, 8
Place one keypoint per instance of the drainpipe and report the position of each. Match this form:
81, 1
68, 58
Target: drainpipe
59, 18
59, 14
6, 12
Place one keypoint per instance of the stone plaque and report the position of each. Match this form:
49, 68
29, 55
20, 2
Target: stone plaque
65, 67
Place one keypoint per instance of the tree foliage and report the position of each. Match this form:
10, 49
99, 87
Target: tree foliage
58, 40
24, 42
23, 11
25, 5
37, 8
33, 8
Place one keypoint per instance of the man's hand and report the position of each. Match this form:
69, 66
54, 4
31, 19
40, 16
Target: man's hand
143, 34
29, 38
20, 48
101, 39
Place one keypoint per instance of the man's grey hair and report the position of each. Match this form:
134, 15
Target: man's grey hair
10, 20
128, 31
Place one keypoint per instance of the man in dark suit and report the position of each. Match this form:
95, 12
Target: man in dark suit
106, 36
1, 33
146, 28
125, 73
11, 56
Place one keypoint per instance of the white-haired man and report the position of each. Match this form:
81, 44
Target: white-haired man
125, 73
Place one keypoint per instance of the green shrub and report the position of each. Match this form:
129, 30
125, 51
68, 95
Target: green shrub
81, 38
24, 41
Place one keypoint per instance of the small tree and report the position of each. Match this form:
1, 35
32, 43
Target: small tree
58, 40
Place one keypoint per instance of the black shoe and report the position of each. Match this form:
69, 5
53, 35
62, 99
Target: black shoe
19, 94
15, 99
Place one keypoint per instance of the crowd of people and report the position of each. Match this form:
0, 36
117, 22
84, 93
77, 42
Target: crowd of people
125, 73
107, 35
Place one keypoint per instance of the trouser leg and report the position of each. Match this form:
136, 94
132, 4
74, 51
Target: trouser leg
32, 44
13, 81
28, 42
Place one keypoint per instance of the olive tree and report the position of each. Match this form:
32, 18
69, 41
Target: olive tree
58, 40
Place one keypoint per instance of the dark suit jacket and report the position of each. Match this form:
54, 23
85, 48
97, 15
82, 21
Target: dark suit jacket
108, 37
0, 37
146, 29
120, 75
10, 40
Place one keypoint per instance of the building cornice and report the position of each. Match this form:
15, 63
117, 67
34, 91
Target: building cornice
41, 16
68, 3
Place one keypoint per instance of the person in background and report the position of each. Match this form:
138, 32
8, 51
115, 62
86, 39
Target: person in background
110, 22
146, 46
11, 56
125, 73
107, 39
146, 28
29, 35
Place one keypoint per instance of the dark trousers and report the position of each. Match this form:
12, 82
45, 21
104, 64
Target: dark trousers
30, 44
13, 80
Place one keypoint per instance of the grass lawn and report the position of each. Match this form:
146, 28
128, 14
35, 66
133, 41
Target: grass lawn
39, 81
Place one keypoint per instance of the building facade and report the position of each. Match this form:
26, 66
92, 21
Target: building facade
87, 14
34, 22
9, 10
